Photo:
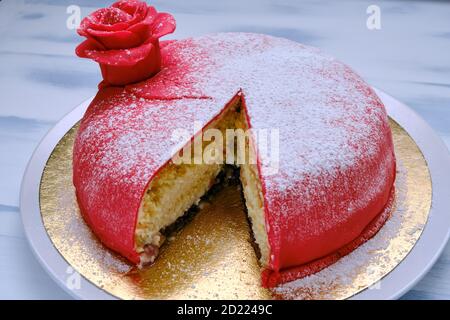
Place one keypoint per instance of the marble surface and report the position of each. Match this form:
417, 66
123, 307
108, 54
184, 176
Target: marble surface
41, 80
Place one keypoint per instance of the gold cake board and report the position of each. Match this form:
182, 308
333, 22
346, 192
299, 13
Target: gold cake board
212, 257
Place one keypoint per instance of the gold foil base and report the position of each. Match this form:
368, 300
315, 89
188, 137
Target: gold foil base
213, 258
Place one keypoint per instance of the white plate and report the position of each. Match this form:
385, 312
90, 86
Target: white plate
394, 285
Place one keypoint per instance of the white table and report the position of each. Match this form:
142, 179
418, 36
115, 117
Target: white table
41, 80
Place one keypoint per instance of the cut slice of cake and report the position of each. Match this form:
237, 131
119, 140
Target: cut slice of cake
177, 187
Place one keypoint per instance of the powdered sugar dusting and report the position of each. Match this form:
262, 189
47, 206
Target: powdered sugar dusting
334, 136
369, 259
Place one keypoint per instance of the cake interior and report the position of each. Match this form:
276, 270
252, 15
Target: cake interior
178, 187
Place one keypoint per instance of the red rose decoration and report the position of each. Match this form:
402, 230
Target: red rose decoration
124, 40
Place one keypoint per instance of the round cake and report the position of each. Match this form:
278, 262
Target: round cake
328, 189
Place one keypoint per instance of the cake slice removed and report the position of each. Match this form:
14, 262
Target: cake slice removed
178, 187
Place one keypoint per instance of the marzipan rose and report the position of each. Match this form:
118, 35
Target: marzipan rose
124, 40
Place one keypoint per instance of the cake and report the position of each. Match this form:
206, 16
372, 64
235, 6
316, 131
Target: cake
327, 190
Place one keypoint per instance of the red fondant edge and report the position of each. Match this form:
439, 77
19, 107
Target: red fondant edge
135, 257
271, 278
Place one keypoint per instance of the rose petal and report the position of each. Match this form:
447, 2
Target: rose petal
163, 24
126, 57
143, 27
116, 40
111, 16
129, 6
138, 12
141, 30
106, 19
116, 27
86, 46
151, 14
